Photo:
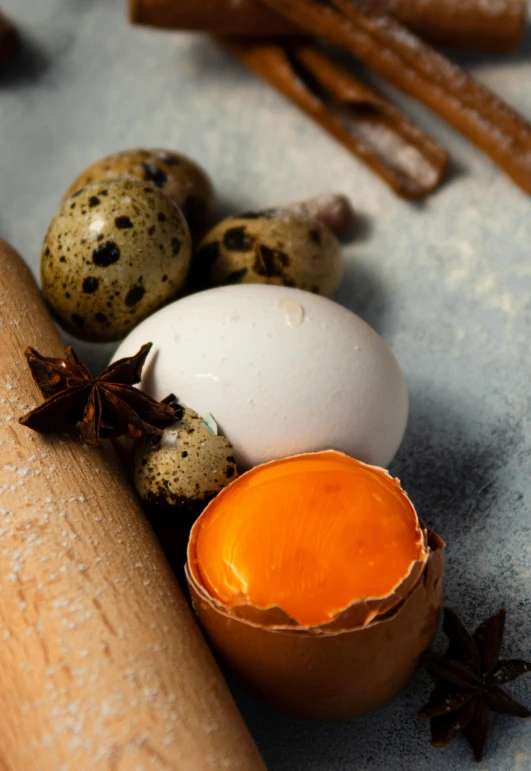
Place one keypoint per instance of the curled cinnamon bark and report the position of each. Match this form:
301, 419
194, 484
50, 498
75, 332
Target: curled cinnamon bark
9, 41
221, 17
484, 25
406, 158
488, 25
396, 54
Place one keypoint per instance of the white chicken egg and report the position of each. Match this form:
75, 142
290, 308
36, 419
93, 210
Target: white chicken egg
281, 370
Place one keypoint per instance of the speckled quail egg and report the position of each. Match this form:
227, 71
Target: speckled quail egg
115, 252
276, 246
185, 468
176, 175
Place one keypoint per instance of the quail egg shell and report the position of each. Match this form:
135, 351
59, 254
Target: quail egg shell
115, 252
276, 246
184, 468
284, 371
174, 174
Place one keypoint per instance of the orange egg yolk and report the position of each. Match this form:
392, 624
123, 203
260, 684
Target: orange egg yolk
311, 534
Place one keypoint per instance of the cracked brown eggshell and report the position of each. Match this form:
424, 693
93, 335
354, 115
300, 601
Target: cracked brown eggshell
180, 472
276, 246
174, 174
334, 676
114, 253
339, 670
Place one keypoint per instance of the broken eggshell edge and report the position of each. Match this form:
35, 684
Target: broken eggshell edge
334, 676
340, 670
357, 613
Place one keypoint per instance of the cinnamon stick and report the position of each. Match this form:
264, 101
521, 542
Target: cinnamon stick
398, 55
221, 17
488, 25
406, 158
484, 25
9, 41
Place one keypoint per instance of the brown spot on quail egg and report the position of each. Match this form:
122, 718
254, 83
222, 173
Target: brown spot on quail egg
109, 259
183, 470
176, 175
275, 246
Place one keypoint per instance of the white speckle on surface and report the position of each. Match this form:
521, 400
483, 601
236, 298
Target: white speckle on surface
292, 311
61, 603
169, 439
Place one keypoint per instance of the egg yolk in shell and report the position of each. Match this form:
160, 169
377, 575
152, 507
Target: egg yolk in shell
310, 534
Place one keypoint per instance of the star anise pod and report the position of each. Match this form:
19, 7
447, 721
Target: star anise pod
101, 407
470, 675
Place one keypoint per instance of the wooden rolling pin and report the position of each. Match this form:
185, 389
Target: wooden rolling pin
101, 663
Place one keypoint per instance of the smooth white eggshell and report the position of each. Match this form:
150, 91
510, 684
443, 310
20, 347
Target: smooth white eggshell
281, 370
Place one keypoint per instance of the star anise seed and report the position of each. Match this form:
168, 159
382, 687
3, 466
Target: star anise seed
469, 676
101, 407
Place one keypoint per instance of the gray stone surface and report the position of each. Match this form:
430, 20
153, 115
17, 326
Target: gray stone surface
447, 284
